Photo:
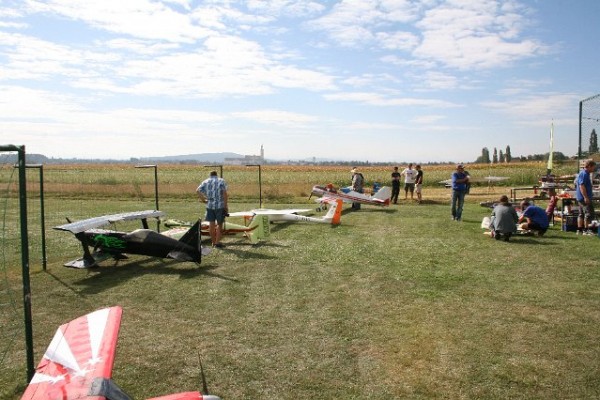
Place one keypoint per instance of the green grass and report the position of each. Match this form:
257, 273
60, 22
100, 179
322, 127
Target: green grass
396, 303
392, 304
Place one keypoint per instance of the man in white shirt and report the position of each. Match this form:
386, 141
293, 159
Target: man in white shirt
409, 181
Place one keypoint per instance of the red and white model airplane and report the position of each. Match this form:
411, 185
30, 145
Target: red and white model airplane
79, 361
329, 194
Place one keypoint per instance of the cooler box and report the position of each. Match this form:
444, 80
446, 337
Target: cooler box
569, 223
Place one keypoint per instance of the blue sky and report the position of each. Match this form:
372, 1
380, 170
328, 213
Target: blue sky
369, 80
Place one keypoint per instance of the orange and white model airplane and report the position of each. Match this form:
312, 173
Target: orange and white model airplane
79, 361
333, 215
329, 194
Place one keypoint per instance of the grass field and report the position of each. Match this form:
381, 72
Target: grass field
397, 303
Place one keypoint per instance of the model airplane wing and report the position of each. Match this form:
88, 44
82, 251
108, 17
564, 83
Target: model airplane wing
266, 211
269, 212
486, 179
91, 223
79, 359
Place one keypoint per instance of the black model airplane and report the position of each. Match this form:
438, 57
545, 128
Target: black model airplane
115, 244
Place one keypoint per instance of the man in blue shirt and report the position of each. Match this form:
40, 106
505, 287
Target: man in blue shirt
584, 194
213, 192
536, 217
459, 188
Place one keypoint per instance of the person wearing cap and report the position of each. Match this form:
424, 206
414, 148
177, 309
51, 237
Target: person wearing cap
358, 181
459, 189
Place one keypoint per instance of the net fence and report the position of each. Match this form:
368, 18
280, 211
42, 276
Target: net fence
589, 127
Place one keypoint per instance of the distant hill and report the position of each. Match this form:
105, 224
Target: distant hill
209, 158
202, 157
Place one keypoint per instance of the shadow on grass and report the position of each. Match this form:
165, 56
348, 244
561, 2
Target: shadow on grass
371, 209
245, 254
106, 277
280, 225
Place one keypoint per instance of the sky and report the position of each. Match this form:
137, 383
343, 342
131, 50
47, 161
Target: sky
352, 80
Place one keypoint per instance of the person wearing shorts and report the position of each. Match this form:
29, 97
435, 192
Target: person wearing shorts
409, 181
419, 183
584, 194
213, 192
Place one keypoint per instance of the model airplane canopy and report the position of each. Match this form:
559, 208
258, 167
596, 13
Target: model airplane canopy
79, 361
91, 223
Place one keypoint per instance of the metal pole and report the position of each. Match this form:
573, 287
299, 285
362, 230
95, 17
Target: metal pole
259, 182
25, 263
155, 189
579, 146
42, 212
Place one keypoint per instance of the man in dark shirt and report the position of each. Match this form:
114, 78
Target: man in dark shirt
395, 186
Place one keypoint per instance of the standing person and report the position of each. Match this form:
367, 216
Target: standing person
358, 181
459, 188
535, 217
213, 192
504, 220
584, 194
409, 181
395, 186
419, 183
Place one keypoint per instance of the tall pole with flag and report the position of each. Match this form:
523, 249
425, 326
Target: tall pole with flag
551, 154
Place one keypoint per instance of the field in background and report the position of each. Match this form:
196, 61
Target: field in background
394, 303
280, 183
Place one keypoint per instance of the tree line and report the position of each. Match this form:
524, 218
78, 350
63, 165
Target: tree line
499, 156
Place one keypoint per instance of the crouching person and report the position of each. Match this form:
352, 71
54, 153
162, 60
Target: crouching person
533, 218
504, 220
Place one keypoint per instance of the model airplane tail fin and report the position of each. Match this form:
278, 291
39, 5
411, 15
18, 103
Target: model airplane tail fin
384, 194
259, 228
335, 212
191, 238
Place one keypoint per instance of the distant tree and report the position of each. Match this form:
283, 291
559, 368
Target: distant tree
507, 155
593, 149
495, 156
484, 157
500, 156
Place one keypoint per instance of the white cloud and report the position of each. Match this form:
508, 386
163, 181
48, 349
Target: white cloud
474, 35
376, 99
540, 107
276, 117
138, 18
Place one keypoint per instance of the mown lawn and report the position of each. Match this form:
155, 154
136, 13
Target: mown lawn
392, 304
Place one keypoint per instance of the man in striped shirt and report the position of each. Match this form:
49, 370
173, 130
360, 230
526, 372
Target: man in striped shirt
213, 192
